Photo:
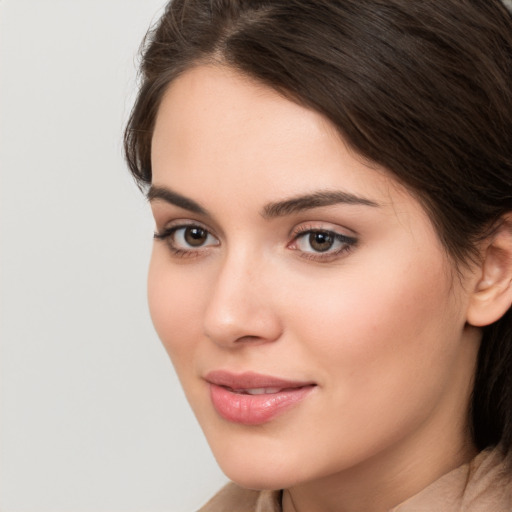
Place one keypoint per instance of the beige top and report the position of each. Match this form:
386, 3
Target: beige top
482, 485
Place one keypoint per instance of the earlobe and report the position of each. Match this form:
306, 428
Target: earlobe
492, 294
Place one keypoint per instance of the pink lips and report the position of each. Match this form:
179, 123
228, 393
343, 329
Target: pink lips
252, 399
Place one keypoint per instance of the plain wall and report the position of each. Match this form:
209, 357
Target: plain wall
92, 416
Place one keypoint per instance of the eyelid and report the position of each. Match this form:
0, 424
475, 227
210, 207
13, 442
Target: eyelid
182, 223
308, 227
171, 230
348, 242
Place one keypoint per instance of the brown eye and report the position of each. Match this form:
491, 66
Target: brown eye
187, 239
195, 236
321, 241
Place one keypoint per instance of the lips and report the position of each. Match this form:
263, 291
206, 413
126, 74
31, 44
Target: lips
253, 399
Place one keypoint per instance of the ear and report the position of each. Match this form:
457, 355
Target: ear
492, 294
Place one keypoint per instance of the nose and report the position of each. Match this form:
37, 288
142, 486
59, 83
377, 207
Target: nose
241, 307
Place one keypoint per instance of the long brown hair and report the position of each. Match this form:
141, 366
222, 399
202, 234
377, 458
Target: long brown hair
422, 88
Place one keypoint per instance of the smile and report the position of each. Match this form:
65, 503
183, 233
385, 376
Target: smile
253, 399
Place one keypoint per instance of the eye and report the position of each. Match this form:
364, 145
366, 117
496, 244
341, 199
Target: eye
319, 241
187, 239
192, 236
322, 243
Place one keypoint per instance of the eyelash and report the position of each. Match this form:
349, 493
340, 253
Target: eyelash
348, 242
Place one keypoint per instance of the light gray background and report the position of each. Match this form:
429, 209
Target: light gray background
92, 416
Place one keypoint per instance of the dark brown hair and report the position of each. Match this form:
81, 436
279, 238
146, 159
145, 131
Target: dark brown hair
422, 88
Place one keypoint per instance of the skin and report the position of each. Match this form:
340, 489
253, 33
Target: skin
379, 325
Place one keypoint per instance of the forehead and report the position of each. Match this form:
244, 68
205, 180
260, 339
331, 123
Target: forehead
215, 124
219, 107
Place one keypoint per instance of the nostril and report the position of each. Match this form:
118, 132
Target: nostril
248, 339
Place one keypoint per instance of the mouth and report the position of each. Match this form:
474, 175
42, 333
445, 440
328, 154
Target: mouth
254, 399
257, 391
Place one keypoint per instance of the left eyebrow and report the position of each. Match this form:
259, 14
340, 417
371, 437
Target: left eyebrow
314, 200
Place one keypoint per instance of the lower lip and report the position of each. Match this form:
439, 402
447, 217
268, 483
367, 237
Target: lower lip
255, 409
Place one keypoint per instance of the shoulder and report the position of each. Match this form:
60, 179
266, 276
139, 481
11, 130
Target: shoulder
233, 498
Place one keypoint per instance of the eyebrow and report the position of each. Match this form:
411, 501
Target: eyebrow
271, 210
314, 200
169, 196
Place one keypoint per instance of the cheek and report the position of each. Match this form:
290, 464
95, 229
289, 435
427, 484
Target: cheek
377, 328
175, 306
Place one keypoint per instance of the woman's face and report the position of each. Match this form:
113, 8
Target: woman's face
304, 298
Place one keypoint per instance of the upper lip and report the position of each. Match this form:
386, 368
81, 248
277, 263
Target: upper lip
251, 380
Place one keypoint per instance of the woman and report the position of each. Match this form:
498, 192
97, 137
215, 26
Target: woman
331, 275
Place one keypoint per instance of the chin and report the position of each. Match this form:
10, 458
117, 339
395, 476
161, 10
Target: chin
262, 469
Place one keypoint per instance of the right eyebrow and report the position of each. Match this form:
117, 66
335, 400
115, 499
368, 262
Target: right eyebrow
170, 196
